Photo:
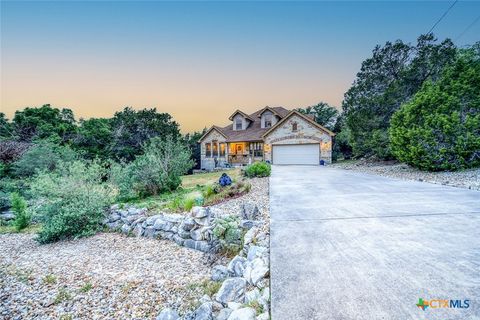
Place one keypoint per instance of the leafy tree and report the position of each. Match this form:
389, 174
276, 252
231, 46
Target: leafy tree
323, 113
71, 200
157, 170
393, 74
5, 127
440, 128
44, 155
191, 141
94, 138
131, 129
44, 122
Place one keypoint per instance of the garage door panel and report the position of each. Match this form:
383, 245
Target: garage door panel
296, 154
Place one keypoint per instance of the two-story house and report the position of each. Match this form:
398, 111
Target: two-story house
272, 134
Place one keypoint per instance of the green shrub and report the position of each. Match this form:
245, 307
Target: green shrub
19, 207
71, 200
229, 234
43, 156
158, 170
440, 128
188, 204
258, 169
209, 191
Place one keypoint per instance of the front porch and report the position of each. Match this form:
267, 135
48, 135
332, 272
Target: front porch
232, 154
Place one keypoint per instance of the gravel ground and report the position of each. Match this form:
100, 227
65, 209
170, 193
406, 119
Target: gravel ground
258, 195
130, 278
469, 179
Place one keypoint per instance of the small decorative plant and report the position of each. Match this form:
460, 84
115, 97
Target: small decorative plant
225, 180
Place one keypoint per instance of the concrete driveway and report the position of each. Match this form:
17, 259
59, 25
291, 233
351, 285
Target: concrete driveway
347, 245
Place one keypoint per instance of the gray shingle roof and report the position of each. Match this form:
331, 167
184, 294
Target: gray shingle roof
254, 132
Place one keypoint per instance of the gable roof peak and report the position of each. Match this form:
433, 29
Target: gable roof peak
242, 113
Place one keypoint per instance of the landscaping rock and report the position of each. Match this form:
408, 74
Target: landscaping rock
197, 245
252, 295
249, 211
7, 215
178, 240
184, 234
255, 271
196, 235
168, 314
234, 305
126, 228
232, 289
138, 231
204, 312
114, 225
250, 235
219, 273
173, 218
247, 224
224, 314
114, 217
149, 232
187, 224
199, 212
163, 225
243, 314
151, 220
264, 316
236, 266
257, 252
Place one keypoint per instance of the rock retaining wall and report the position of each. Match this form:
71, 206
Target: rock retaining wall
244, 292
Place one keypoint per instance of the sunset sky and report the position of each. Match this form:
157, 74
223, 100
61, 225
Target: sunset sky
200, 61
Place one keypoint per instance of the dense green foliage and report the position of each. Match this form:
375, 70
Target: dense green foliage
5, 127
157, 170
42, 156
71, 200
258, 169
440, 128
45, 122
19, 208
131, 129
388, 79
323, 114
191, 141
93, 138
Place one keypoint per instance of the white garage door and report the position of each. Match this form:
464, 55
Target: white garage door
296, 154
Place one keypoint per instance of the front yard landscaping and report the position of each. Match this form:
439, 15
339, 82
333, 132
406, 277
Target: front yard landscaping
197, 189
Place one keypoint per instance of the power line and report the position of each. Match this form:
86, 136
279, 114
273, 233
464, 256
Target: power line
443, 16
467, 28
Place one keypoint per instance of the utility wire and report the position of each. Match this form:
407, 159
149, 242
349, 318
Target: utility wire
443, 16
467, 28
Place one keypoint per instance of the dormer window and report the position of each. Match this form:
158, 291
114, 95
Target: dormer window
238, 124
268, 120
294, 127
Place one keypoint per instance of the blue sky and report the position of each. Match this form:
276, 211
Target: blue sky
195, 58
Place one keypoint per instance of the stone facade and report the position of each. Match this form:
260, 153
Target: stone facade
306, 133
208, 163
245, 146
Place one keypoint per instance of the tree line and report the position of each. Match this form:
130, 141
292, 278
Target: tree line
418, 103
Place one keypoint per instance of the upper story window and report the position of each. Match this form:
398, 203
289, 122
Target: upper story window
208, 149
268, 120
294, 127
238, 124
